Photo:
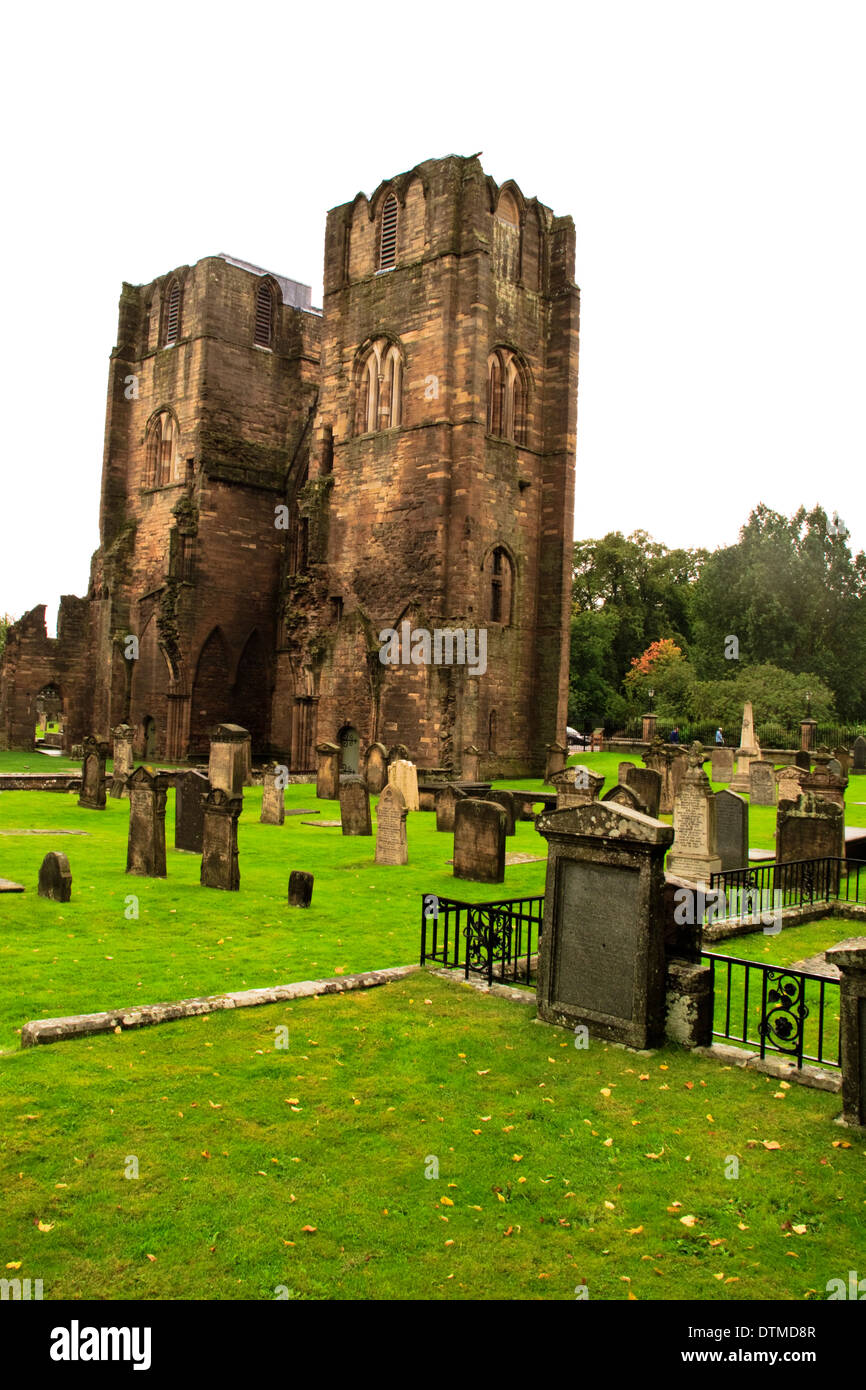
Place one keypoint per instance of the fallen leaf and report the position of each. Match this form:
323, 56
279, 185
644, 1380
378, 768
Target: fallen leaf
635, 1231
446, 1201
309, 1230
45, 1225
689, 1220
771, 1144
152, 1259
14, 1264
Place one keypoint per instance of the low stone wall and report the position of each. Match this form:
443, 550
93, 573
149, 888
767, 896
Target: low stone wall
40, 782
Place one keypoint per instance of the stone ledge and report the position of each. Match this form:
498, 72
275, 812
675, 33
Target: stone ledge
48, 1030
517, 996
782, 1067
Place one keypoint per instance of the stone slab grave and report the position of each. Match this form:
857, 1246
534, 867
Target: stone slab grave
327, 771
190, 788
749, 748
446, 800
273, 794
13, 833
820, 965
145, 852
602, 951
646, 783
732, 829
55, 878
694, 855
376, 768
229, 763
122, 759
404, 776
479, 841
92, 795
7, 886
300, 888
391, 846
355, 806
323, 824
303, 811
219, 859
762, 783
850, 960
810, 828
722, 765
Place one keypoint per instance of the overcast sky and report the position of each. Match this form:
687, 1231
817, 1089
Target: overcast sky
712, 157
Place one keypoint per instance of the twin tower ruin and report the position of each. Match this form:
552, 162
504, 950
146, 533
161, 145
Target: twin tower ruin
282, 484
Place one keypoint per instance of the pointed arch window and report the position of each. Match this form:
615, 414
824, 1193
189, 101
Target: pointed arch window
388, 235
379, 388
507, 396
499, 585
162, 451
264, 317
172, 314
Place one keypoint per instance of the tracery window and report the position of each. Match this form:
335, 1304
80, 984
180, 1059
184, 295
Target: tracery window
507, 396
379, 388
162, 451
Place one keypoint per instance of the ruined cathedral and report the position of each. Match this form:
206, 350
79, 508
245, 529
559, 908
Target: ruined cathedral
281, 484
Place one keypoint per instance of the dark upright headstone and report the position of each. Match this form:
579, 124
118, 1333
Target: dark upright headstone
646, 783
858, 752
55, 878
145, 853
803, 760
446, 800
190, 789
355, 806
376, 768
94, 755
479, 841
732, 830
506, 801
219, 860
300, 888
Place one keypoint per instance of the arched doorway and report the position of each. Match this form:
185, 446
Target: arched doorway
350, 749
251, 695
211, 704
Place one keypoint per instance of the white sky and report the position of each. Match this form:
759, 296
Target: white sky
712, 156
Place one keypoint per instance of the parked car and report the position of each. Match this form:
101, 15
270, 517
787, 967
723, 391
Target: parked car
577, 740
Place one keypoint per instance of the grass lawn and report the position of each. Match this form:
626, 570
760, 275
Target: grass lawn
555, 1166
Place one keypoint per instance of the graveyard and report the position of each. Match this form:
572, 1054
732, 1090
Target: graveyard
427, 1138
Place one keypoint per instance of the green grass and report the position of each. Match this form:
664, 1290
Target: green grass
383, 1083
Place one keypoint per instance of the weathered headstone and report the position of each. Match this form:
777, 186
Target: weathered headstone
803, 760
810, 829
789, 783
749, 748
822, 755
446, 800
471, 760
404, 775
602, 953
575, 786
850, 960
145, 851
722, 768
506, 801
391, 845
219, 860
834, 767
858, 755
670, 763
376, 768
229, 759
328, 771
479, 841
398, 752
189, 789
557, 757
622, 772
762, 783
94, 754
694, 855
679, 768
355, 806
273, 794
300, 888
122, 758
843, 757
55, 878
824, 783
732, 829
646, 783
623, 795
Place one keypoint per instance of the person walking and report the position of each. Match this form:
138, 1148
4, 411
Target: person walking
675, 734
720, 738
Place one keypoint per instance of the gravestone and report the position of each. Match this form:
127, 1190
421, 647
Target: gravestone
623, 795
679, 768
471, 759
55, 878
122, 759
803, 760
762, 783
506, 801
732, 829
557, 757
446, 800
328, 771
850, 960
858, 755
145, 851
92, 795
273, 795
601, 956
822, 755
622, 772
355, 806
189, 789
749, 748
722, 768
646, 783
834, 767
810, 829
219, 860
398, 752
575, 786
376, 768
823, 783
694, 854
479, 841
789, 783
229, 759
404, 776
300, 888
391, 813
670, 763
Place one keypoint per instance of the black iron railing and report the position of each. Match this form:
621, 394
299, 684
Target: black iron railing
497, 940
760, 887
775, 1009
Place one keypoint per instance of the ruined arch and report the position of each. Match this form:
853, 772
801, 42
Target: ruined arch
210, 703
251, 692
